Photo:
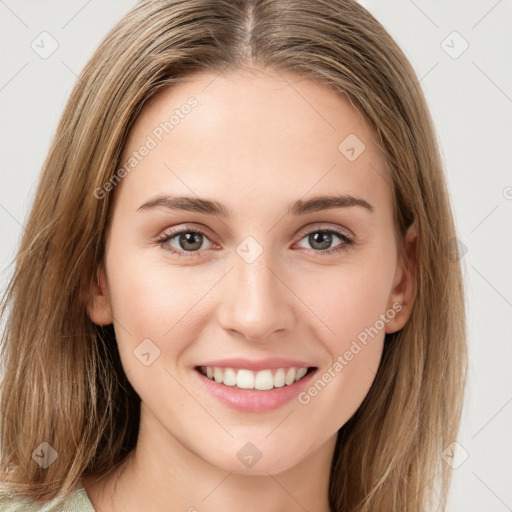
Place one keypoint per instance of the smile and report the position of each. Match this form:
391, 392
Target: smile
262, 380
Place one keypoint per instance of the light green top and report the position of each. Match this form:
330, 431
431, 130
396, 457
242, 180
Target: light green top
77, 502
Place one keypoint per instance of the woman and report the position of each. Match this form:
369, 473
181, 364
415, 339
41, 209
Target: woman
245, 290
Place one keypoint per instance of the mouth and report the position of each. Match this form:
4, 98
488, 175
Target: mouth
254, 385
262, 380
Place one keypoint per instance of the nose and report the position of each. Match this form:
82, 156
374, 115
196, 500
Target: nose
256, 301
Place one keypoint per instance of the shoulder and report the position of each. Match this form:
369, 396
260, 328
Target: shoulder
77, 502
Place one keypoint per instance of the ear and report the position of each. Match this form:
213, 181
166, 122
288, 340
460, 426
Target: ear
402, 295
98, 303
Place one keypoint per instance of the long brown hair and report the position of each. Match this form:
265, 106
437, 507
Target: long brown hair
62, 379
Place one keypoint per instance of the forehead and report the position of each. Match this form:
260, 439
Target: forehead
261, 132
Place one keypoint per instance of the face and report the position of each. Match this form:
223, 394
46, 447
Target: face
254, 274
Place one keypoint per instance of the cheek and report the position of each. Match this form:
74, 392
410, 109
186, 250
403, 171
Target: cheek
353, 307
153, 300
351, 301
354, 339
143, 300
134, 299
354, 334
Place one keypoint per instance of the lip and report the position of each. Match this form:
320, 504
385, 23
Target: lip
255, 366
253, 400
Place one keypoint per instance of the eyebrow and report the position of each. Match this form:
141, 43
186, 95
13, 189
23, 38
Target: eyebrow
209, 207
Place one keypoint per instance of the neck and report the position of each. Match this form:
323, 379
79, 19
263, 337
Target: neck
161, 474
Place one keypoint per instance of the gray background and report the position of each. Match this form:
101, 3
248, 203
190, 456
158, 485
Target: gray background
470, 96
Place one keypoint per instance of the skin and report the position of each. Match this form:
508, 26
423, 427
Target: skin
257, 141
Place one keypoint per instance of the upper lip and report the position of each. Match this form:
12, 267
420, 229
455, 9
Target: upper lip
256, 365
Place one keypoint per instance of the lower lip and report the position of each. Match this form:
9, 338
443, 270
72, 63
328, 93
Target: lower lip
251, 400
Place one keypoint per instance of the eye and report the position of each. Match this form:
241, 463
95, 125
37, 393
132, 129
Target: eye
188, 242
184, 241
321, 240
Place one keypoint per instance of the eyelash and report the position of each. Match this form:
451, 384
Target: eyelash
166, 237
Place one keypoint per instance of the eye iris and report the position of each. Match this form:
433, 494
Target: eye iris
195, 239
322, 237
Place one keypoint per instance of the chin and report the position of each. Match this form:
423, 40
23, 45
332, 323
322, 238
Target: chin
255, 458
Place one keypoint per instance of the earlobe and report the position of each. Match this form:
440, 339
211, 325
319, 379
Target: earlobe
98, 303
402, 295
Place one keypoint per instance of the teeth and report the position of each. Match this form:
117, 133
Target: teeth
290, 376
230, 378
279, 378
247, 379
244, 379
300, 373
264, 380
218, 375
